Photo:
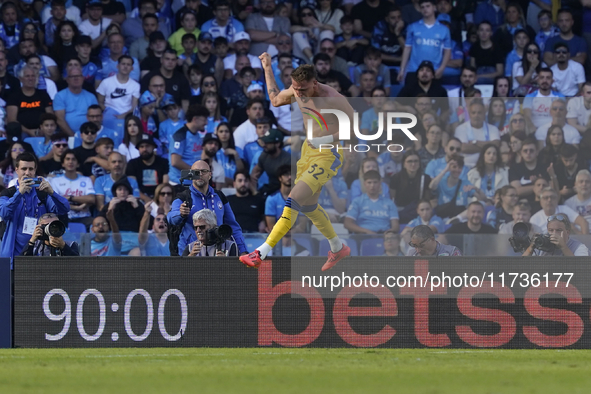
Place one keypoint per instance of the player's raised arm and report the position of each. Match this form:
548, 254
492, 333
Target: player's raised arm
277, 97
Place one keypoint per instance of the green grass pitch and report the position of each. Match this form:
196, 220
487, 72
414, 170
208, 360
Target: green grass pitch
301, 371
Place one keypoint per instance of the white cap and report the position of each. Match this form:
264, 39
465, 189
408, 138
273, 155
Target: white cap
254, 86
241, 36
326, 35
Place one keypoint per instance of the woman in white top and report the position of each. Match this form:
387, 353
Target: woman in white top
328, 15
526, 71
133, 134
489, 174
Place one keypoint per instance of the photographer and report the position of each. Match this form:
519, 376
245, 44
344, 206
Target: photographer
203, 221
200, 196
43, 244
22, 205
559, 229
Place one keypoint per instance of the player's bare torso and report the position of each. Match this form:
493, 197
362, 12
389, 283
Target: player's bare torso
325, 98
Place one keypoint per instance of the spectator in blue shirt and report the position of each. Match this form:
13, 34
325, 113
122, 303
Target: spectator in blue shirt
388, 37
104, 183
186, 144
42, 145
521, 40
450, 187
454, 146
492, 11
576, 44
371, 213
372, 60
116, 44
71, 103
426, 39
155, 243
426, 217
547, 29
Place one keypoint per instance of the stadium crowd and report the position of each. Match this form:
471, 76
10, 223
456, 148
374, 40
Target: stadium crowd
110, 101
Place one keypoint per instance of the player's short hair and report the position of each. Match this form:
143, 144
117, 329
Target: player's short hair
305, 72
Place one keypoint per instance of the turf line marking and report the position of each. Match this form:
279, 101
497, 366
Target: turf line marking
152, 355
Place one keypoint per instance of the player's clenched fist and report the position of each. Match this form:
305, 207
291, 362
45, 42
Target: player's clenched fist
265, 59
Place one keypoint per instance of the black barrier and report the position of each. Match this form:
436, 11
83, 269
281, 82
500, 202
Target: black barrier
217, 302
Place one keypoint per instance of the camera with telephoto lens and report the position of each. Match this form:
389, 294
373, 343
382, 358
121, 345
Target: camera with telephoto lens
542, 242
217, 235
54, 229
520, 240
190, 175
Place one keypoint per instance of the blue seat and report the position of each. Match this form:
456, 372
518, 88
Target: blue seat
372, 247
307, 242
252, 243
77, 228
324, 246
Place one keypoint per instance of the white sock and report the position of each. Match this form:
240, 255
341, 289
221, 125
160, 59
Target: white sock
335, 244
264, 249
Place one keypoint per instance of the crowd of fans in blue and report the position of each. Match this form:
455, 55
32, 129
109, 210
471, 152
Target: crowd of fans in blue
109, 101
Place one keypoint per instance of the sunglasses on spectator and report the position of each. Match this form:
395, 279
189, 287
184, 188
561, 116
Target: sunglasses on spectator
454, 149
199, 227
561, 217
208, 84
518, 120
283, 42
89, 132
61, 145
534, 51
166, 193
561, 52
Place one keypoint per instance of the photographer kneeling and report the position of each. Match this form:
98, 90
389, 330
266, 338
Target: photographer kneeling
47, 239
212, 240
558, 241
